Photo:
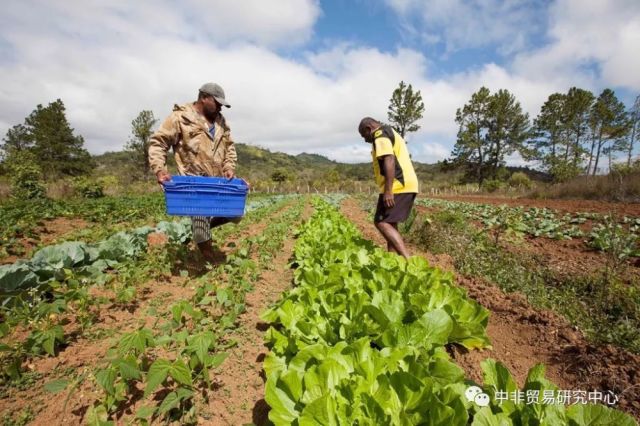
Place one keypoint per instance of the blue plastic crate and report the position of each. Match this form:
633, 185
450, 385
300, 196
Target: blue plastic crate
205, 196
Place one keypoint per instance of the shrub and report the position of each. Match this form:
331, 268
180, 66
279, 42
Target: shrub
492, 185
61, 189
502, 173
520, 180
111, 185
623, 170
88, 187
25, 176
564, 171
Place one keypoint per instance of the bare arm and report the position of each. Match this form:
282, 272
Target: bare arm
389, 166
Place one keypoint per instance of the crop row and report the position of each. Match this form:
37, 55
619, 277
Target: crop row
20, 220
54, 287
606, 233
177, 357
361, 339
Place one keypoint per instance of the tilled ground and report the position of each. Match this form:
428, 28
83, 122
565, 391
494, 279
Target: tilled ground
565, 257
239, 398
603, 207
83, 354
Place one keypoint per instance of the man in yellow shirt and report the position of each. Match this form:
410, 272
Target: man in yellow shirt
396, 178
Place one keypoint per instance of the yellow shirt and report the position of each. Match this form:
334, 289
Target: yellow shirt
388, 142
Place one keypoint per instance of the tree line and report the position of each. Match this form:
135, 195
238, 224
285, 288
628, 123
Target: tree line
572, 135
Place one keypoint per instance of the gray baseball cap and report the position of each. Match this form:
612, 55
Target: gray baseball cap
216, 91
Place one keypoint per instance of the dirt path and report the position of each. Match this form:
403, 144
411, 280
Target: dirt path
83, 354
240, 397
620, 209
523, 336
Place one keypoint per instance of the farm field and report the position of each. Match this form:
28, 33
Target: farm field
109, 316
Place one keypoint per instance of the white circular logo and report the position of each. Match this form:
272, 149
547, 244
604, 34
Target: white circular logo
482, 400
471, 393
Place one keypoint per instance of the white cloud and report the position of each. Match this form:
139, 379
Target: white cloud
109, 62
593, 43
429, 152
463, 24
282, 22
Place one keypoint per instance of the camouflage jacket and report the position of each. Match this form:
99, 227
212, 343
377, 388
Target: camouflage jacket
197, 153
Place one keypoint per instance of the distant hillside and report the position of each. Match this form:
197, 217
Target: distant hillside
255, 159
259, 165
260, 161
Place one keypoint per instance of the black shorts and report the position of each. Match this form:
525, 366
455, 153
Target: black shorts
398, 213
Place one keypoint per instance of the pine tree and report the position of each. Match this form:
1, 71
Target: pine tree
561, 130
491, 127
508, 128
46, 133
470, 149
138, 144
405, 108
610, 124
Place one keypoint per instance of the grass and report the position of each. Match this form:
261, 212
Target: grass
611, 187
604, 307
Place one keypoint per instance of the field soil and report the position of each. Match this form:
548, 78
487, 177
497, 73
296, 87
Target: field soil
45, 234
84, 353
564, 257
523, 336
619, 209
239, 395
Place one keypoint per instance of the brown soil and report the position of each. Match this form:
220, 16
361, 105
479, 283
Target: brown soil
47, 233
619, 209
157, 239
60, 226
522, 336
85, 354
565, 257
240, 397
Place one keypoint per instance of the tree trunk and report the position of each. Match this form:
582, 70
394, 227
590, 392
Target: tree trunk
576, 148
633, 135
496, 158
595, 166
480, 156
593, 142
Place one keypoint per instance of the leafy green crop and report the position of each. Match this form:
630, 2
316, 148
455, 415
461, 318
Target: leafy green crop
361, 339
90, 260
543, 222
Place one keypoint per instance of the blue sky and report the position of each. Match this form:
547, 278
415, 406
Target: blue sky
301, 73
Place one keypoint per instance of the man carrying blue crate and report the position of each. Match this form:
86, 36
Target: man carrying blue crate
202, 144
396, 178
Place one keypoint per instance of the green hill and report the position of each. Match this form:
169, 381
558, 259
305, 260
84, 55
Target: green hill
263, 167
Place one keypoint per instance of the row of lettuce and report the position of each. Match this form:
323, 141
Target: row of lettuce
361, 339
